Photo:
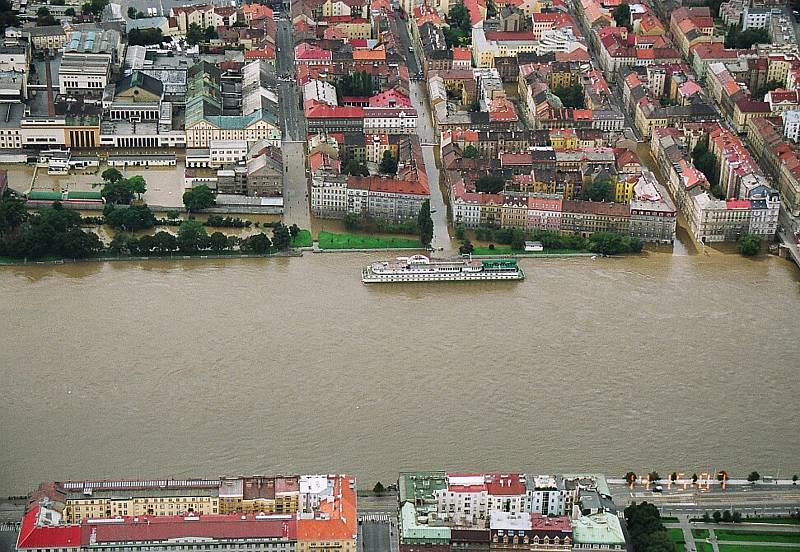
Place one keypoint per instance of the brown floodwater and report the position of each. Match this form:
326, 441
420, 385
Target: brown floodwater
668, 361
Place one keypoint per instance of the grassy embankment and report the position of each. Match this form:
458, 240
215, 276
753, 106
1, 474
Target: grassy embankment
330, 240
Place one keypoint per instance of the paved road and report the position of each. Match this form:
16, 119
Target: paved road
295, 184
748, 527
429, 140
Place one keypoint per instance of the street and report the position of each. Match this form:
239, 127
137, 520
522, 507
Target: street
295, 183
428, 140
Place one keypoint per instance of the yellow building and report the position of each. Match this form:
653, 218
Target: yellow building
564, 139
167, 502
268, 495
623, 189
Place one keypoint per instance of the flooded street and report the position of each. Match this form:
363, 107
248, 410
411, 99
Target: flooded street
268, 365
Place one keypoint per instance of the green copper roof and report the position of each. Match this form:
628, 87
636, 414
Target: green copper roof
600, 528
49, 196
411, 531
84, 195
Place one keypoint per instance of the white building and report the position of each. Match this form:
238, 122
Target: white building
756, 17
320, 91
83, 75
791, 125
465, 500
381, 120
548, 495
225, 152
123, 134
329, 196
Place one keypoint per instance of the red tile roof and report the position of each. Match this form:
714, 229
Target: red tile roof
544, 523
506, 484
160, 528
32, 535
738, 204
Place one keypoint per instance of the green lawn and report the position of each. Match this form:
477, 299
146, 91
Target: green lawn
757, 536
506, 250
680, 547
781, 521
754, 548
329, 240
676, 535
705, 546
303, 239
700, 533
669, 519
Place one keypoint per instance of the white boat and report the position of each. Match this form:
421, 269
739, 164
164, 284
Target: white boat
419, 268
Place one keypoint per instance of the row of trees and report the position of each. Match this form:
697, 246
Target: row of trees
193, 237
425, 223
146, 37
359, 83
603, 243
53, 231
355, 222
196, 34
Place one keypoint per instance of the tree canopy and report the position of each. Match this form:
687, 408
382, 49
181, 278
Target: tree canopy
646, 530
489, 184
145, 37
52, 231
572, 95
359, 83
135, 217
198, 198
123, 190
471, 152
622, 15
749, 245
737, 38
425, 223
706, 163
281, 237
388, 163
599, 190
753, 477
459, 31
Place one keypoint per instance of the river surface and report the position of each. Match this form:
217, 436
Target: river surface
672, 362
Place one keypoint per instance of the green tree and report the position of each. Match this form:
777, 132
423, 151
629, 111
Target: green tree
572, 95
44, 18
794, 479
646, 530
137, 185
622, 15
630, 478
717, 516
135, 217
706, 517
165, 242
111, 175
388, 163
489, 184
294, 230
192, 236
352, 221
8, 17
471, 152
425, 223
117, 192
466, 248
131, 12
737, 38
694, 478
12, 214
198, 198
673, 477
257, 243
653, 475
69, 12
379, 489
94, 7
145, 37
736, 517
461, 231
354, 168
749, 245
219, 242
606, 243
281, 238
210, 33
194, 34
173, 214
77, 244
599, 190
753, 477
726, 516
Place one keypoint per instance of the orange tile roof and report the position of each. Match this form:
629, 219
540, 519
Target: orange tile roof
341, 509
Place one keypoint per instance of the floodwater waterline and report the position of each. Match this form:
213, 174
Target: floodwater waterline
227, 366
